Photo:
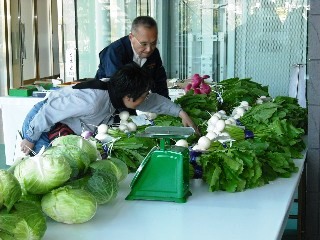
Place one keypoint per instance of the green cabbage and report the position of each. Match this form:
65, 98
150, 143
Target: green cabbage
80, 142
10, 189
26, 221
78, 159
102, 185
69, 205
115, 165
40, 174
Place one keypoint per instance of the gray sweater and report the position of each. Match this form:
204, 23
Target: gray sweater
84, 109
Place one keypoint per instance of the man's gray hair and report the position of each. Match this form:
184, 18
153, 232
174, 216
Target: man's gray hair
145, 21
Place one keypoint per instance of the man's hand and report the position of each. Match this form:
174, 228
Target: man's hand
187, 122
26, 146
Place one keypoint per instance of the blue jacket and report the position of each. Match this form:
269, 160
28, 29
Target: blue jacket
120, 53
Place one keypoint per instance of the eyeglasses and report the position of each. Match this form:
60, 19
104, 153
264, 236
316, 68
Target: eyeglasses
145, 45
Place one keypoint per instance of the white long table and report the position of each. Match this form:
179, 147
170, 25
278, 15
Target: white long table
255, 214
14, 110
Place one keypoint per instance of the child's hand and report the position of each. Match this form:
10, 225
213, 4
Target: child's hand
26, 146
187, 122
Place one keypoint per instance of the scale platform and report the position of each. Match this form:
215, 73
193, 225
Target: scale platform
164, 173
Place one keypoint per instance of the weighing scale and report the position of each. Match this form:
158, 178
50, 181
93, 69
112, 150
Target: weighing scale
164, 173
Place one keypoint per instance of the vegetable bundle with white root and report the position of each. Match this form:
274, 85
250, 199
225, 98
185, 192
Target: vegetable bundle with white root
125, 126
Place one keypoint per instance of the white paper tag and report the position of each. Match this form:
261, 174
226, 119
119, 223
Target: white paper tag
140, 120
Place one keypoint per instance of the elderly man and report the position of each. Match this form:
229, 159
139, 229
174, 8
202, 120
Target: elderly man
139, 46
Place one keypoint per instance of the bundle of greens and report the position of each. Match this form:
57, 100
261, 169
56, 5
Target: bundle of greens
128, 148
235, 90
294, 113
273, 122
243, 165
199, 107
276, 139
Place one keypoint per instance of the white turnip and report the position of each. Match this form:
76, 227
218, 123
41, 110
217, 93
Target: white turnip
211, 135
123, 127
213, 120
124, 115
102, 128
220, 125
132, 127
204, 143
182, 143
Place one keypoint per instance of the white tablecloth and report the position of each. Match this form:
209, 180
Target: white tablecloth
14, 110
255, 214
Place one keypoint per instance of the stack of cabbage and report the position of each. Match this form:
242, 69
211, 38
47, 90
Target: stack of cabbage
65, 182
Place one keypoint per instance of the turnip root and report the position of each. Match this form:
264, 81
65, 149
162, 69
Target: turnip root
205, 88
204, 143
124, 115
132, 127
102, 128
198, 85
196, 82
182, 143
86, 134
123, 127
188, 87
197, 91
211, 135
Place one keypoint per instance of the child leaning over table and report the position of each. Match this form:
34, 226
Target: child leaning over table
92, 103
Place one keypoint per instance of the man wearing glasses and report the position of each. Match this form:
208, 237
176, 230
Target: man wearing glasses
139, 46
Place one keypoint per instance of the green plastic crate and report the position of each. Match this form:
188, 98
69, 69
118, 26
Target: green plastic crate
22, 91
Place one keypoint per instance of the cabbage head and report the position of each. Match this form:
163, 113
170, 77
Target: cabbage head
80, 142
78, 159
102, 185
114, 165
26, 221
10, 189
69, 205
40, 174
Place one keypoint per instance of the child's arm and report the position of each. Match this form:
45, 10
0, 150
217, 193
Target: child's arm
187, 122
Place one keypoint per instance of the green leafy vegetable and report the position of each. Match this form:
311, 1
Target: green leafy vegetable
26, 221
79, 142
69, 205
198, 107
40, 174
114, 165
235, 90
77, 158
10, 190
101, 184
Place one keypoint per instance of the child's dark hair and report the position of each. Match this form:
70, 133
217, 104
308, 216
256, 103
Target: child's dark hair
131, 81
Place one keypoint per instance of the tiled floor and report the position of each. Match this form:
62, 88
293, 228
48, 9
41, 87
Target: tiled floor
289, 234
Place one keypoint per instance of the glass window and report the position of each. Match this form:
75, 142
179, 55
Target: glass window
260, 39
